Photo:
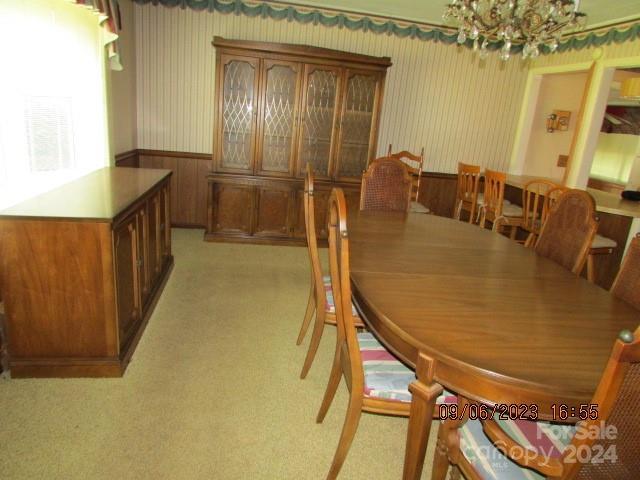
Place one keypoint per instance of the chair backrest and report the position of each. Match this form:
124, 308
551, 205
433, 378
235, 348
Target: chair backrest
616, 431
568, 231
627, 283
341, 286
494, 191
312, 240
386, 186
414, 166
536, 203
467, 188
550, 200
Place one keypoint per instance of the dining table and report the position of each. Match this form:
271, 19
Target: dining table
480, 315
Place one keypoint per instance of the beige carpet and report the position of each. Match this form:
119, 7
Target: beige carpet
212, 392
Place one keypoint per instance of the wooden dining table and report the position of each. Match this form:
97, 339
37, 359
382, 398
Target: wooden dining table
480, 315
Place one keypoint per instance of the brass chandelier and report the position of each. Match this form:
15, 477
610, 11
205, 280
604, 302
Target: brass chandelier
530, 23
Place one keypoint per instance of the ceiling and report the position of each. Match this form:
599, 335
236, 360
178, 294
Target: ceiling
599, 12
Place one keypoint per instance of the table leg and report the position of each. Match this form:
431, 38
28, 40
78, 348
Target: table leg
425, 391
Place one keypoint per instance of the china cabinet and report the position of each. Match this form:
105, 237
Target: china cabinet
279, 107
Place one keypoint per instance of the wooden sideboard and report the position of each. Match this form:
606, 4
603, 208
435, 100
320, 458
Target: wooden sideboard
82, 267
279, 107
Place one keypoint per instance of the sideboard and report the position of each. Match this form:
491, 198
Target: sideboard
82, 267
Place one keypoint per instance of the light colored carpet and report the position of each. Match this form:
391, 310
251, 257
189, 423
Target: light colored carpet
212, 392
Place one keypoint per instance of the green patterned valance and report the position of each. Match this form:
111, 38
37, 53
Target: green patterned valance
379, 25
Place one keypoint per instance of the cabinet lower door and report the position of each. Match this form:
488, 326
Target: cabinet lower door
320, 204
273, 207
165, 224
154, 253
127, 277
231, 208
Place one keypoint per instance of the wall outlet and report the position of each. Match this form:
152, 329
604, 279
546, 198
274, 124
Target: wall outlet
562, 160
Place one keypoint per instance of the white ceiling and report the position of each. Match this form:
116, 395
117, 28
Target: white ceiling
599, 12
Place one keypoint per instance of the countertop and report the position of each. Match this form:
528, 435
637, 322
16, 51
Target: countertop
98, 196
605, 202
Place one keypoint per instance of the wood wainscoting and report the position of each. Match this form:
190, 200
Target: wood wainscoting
188, 184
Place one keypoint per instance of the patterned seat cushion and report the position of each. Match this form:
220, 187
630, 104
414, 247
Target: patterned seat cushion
490, 464
385, 376
331, 304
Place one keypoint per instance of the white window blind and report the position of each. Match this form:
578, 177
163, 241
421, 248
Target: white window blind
52, 97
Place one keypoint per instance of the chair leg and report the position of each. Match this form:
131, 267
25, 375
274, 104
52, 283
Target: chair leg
514, 231
311, 307
529, 242
458, 210
591, 269
332, 385
483, 219
354, 411
316, 335
440, 458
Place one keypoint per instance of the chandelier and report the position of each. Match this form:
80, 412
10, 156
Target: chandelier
530, 23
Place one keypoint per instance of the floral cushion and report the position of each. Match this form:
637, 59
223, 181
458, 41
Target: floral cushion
385, 376
490, 464
331, 304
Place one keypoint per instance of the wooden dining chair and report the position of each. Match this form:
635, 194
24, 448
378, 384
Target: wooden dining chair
533, 190
626, 285
386, 186
467, 191
321, 299
605, 446
493, 207
414, 165
569, 229
377, 381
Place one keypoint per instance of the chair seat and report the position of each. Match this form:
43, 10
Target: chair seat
417, 207
481, 200
490, 464
331, 305
385, 376
511, 210
603, 242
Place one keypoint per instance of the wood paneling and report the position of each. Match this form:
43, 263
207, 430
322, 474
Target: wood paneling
127, 159
438, 193
440, 96
188, 186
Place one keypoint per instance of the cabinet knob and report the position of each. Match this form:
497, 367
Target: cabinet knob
139, 262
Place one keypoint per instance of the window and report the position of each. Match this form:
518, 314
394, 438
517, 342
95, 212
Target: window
52, 97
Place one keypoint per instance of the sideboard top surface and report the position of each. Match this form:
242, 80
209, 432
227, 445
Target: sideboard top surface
99, 196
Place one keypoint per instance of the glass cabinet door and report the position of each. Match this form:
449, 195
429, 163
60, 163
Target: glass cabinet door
237, 113
279, 113
359, 112
321, 92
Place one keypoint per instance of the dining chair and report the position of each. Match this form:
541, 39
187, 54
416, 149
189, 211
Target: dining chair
321, 299
626, 285
567, 233
414, 165
493, 207
386, 186
602, 446
533, 225
467, 191
377, 381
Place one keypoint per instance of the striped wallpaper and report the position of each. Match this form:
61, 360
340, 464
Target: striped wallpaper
437, 96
